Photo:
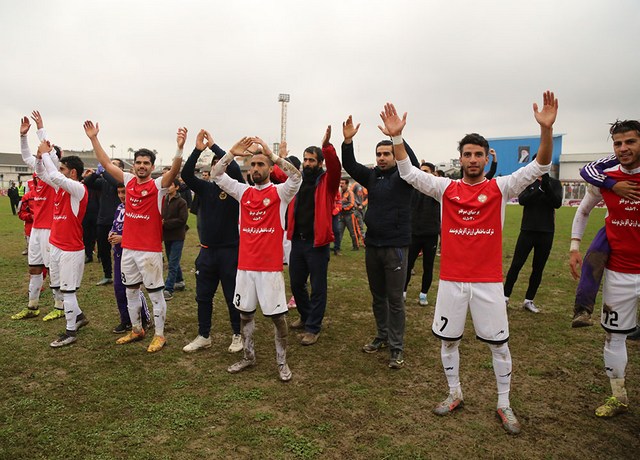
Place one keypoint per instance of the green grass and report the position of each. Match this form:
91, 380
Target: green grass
98, 400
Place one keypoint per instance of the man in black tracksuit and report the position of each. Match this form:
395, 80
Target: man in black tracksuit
217, 261
540, 200
425, 229
388, 221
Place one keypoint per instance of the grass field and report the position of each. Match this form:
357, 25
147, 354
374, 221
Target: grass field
97, 400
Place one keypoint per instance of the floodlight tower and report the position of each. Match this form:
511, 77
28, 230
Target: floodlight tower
283, 99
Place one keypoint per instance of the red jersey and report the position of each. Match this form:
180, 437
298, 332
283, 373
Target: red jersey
622, 225
142, 229
66, 230
43, 205
472, 232
261, 230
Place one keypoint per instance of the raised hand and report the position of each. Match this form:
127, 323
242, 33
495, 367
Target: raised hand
241, 148
209, 138
25, 124
547, 116
200, 140
393, 124
265, 147
326, 140
181, 137
348, 130
44, 147
283, 152
90, 130
35, 115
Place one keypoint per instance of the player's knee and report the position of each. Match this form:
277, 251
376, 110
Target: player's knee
449, 346
246, 316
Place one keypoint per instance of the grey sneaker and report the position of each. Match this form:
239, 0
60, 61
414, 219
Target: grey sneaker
179, 286
297, 324
167, 295
284, 372
376, 345
529, 305
448, 405
309, 338
509, 421
397, 360
582, 319
63, 340
241, 365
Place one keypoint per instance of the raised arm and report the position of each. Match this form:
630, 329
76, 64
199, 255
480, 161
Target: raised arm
358, 171
494, 165
92, 131
546, 118
332, 162
169, 176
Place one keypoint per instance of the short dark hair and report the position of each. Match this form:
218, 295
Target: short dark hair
317, 150
475, 139
346, 179
145, 153
176, 182
58, 151
120, 185
386, 142
623, 126
73, 162
431, 166
120, 162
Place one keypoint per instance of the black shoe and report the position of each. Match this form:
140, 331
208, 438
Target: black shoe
376, 345
635, 335
121, 328
397, 360
88, 260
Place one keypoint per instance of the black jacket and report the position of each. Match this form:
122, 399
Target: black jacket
217, 211
388, 217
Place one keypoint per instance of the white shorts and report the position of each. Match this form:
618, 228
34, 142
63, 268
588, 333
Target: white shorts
39, 250
142, 267
488, 311
66, 269
620, 294
265, 288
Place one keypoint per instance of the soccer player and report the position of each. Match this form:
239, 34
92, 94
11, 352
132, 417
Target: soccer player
67, 245
262, 213
472, 218
622, 273
114, 237
142, 232
38, 257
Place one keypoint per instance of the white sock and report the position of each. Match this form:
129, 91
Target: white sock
502, 370
450, 355
71, 310
35, 284
159, 311
134, 304
58, 299
615, 355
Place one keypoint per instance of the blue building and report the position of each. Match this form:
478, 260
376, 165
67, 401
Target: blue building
515, 152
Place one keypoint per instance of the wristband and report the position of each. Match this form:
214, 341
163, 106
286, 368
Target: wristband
179, 153
574, 246
397, 140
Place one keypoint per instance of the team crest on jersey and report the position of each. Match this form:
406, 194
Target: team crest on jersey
482, 198
144, 193
222, 196
266, 201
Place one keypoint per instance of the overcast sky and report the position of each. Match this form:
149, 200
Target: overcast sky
143, 68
